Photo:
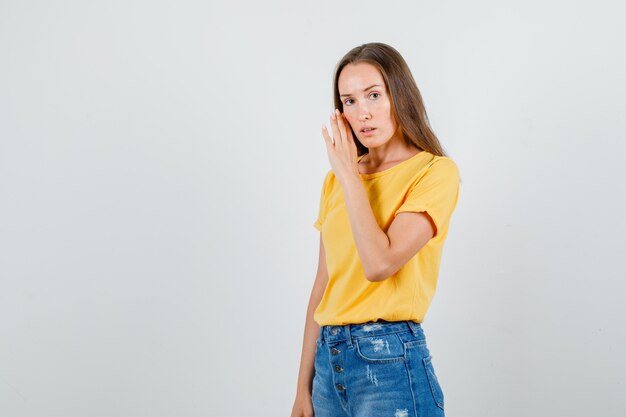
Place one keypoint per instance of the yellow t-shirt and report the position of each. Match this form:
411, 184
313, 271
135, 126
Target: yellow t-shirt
424, 182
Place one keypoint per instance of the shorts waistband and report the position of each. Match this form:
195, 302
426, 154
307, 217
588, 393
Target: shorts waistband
336, 333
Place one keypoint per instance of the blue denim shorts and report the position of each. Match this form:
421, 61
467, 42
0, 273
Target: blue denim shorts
381, 368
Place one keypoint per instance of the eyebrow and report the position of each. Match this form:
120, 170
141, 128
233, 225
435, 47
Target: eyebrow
371, 86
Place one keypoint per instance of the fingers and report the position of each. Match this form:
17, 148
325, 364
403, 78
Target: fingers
329, 140
341, 133
337, 134
345, 131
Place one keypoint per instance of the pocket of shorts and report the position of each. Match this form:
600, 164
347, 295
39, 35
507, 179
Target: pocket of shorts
380, 349
435, 388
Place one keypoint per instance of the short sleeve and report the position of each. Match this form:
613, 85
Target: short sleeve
321, 214
436, 192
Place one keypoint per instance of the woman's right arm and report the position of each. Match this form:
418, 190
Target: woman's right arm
303, 405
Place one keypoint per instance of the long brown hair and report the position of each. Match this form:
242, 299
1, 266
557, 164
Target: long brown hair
406, 101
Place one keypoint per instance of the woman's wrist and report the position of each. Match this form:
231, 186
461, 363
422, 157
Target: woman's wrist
303, 390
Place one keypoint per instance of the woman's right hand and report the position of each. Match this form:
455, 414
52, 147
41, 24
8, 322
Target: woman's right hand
302, 406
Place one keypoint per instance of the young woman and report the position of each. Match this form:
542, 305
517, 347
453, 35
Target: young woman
384, 213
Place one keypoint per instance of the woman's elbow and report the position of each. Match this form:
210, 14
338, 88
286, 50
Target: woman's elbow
378, 274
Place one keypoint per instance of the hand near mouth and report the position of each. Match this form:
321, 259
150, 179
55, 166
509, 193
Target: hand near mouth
341, 148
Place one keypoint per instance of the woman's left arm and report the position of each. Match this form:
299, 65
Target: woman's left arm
381, 254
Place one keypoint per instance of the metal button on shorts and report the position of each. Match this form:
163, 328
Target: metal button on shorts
381, 368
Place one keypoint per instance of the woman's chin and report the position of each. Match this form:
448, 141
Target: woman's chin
370, 142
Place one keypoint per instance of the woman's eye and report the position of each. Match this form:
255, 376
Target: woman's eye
377, 94
346, 102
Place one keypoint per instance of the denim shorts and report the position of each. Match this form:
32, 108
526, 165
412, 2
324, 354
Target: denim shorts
381, 368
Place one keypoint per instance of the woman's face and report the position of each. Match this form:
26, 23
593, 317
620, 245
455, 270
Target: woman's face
366, 103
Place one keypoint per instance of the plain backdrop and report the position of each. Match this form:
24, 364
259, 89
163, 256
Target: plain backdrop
160, 171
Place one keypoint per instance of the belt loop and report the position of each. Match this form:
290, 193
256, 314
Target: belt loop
413, 327
348, 335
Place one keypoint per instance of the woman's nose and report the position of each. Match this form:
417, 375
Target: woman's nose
364, 113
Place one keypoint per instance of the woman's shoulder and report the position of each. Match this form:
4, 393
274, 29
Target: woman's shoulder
435, 168
442, 162
329, 179
443, 167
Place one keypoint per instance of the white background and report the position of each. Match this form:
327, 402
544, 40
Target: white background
160, 170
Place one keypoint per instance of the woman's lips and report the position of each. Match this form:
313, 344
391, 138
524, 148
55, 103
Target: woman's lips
368, 132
